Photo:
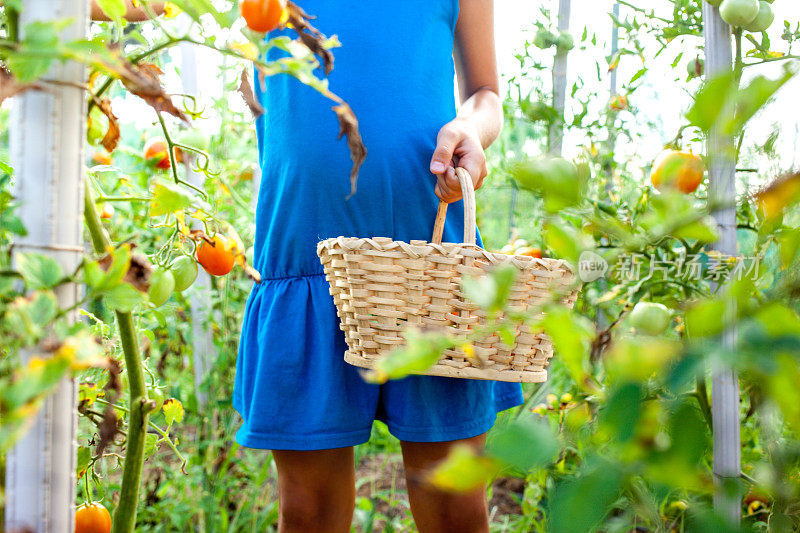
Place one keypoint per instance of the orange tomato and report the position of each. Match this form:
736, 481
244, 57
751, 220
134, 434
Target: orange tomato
530, 251
619, 103
218, 258
107, 212
92, 518
101, 158
156, 149
262, 15
675, 169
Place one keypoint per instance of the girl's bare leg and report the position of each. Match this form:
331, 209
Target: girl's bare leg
316, 490
439, 512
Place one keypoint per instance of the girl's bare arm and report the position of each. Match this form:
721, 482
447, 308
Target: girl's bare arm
480, 117
133, 14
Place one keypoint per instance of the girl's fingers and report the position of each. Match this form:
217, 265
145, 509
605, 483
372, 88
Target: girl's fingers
445, 146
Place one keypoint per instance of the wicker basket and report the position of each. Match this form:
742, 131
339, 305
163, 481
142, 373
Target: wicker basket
381, 287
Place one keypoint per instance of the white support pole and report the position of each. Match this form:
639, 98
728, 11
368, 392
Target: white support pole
556, 136
200, 293
722, 192
46, 136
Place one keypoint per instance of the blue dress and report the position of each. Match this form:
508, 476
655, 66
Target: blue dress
293, 389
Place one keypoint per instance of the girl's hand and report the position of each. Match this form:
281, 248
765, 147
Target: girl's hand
458, 144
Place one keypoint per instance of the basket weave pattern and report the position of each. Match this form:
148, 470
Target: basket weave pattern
381, 287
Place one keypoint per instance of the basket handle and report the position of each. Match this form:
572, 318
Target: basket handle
468, 192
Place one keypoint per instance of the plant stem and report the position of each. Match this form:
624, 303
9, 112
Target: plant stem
701, 393
125, 512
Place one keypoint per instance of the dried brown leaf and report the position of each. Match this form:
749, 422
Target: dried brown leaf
111, 137
138, 273
311, 37
246, 90
144, 81
348, 125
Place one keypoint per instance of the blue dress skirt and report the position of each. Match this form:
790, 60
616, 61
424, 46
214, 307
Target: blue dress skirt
293, 389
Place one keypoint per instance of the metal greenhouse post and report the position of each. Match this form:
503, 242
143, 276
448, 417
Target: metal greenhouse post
200, 295
722, 192
46, 136
556, 136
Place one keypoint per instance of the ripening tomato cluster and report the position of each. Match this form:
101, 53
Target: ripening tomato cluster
217, 257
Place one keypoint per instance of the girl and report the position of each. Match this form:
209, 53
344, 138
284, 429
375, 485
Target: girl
295, 393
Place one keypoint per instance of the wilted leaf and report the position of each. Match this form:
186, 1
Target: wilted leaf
309, 35
348, 125
111, 136
143, 80
246, 90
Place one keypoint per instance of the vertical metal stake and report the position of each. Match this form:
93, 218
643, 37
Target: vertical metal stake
46, 133
725, 382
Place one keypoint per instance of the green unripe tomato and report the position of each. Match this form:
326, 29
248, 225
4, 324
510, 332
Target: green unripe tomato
695, 67
650, 317
544, 39
714, 3
161, 286
184, 271
196, 138
763, 20
565, 42
738, 12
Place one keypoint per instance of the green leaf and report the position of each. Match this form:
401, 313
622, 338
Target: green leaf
422, 351
704, 318
102, 279
525, 443
622, 411
463, 470
554, 178
564, 241
700, 230
36, 53
84, 458
124, 297
789, 241
39, 271
710, 100
571, 335
580, 503
779, 320
491, 291
173, 411
639, 358
168, 198
752, 98
114, 9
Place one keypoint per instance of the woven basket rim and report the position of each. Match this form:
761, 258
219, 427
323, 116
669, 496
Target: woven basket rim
447, 249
